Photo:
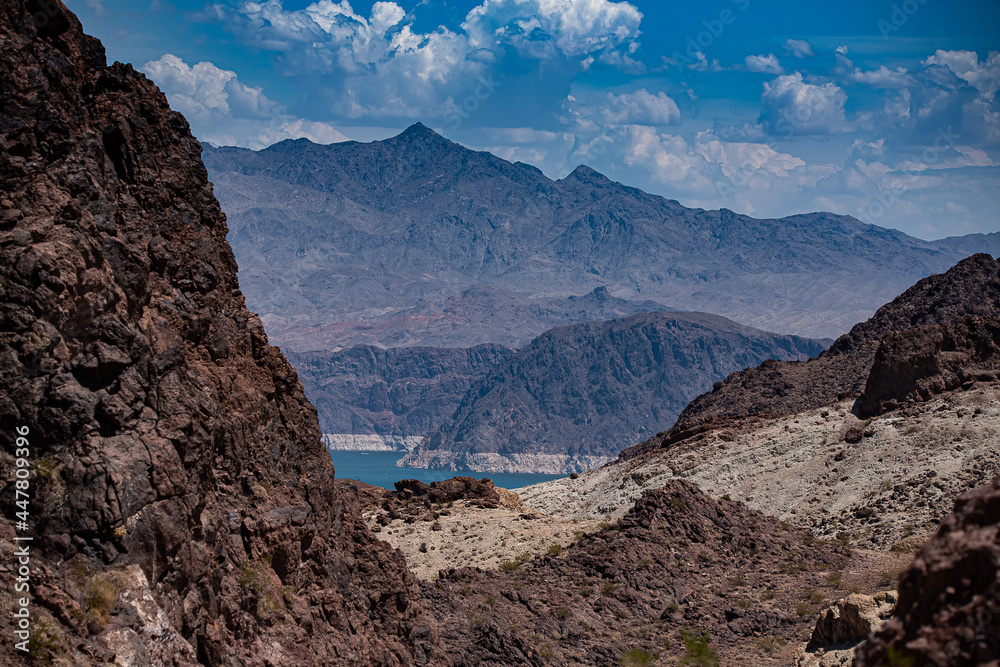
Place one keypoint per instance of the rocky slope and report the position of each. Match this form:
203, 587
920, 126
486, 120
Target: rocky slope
970, 288
643, 590
928, 364
572, 398
372, 398
183, 509
330, 237
949, 598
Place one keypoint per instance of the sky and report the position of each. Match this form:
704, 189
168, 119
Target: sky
883, 110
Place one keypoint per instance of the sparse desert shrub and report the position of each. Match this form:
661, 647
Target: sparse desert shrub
636, 657
103, 593
897, 658
803, 609
563, 612
834, 580
704, 556
697, 651
738, 580
555, 550
609, 587
771, 645
546, 652
678, 504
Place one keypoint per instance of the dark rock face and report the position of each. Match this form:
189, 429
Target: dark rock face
677, 560
586, 391
398, 392
949, 599
326, 235
922, 362
970, 288
165, 432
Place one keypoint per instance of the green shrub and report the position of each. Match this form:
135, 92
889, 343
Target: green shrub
636, 657
697, 651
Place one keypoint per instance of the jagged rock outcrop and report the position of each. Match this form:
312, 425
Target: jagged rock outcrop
678, 561
949, 598
370, 397
925, 361
331, 237
853, 618
183, 508
969, 289
577, 395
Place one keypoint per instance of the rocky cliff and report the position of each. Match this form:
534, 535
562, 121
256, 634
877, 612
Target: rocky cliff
330, 238
577, 395
969, 289
949, 598
376, 398
182, 507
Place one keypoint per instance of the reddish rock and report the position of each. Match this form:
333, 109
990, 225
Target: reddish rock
949, 599
164, 430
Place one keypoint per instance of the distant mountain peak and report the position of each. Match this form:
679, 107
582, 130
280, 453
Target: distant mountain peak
420, 132
585, 174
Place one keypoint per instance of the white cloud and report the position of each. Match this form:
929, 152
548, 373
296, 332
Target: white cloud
640, 108
379, 66
798, 48
791, 106
576, 27
983, 76
967, 157
884, 77
764, 64
733, 156
96, 6
224, 111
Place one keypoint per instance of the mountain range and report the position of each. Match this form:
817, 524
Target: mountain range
573, 397
336, 243
169, 502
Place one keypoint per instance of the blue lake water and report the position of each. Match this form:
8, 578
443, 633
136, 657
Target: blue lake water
379, 469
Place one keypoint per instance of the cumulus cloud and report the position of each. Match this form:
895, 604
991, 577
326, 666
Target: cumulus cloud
764, 64
884, 77
379, 66
639, 108
224, 111
798, 48
791, 106
575, 27
983, 76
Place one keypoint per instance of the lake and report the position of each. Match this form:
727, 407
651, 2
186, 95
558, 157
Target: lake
379, 469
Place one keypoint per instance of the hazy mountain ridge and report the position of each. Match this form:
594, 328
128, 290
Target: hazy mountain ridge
576, 395
327, 235
970, 288
390, 395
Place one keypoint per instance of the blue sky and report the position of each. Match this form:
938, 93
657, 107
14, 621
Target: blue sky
886, 111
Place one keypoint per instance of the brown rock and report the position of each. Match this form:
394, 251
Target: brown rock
853, 619
172, 436
949, 599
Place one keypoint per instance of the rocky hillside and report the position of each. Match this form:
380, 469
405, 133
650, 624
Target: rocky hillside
949, 598
576, 395
971, 288
331, 237
182, 507
374, 398
680, 578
